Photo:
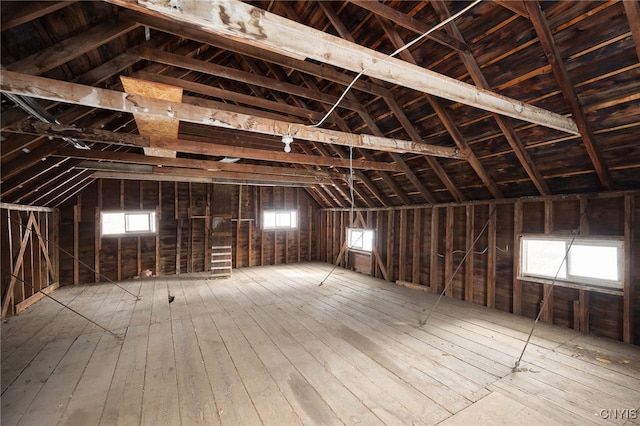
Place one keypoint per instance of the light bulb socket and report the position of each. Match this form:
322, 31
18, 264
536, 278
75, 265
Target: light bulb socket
286, 140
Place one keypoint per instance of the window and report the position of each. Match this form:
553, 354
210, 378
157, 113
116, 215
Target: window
590, 261
360, 239
280, 219
122, 223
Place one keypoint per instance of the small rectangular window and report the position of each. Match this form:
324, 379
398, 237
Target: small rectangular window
279, 219
360, 239
128, 222
588, 261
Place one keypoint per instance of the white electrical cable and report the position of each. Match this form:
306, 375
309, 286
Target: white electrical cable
406, 46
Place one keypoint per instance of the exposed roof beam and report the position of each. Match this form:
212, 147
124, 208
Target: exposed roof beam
516, 6
161, 175
507, 129
632, 9
190, 163
260, 28
23, 12
71, 48
56, 90
192, 147
420, 27
541, 26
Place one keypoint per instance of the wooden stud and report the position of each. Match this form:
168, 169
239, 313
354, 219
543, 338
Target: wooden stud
390, 240
433, 257
469, 263
628, 287
402, 252
417, 246
491, 260
448, 251
517, 284
76, 244
158, 255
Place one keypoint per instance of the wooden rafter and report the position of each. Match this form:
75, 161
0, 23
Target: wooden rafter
507, 129
269, 31
541, 26
71, 48
632, 9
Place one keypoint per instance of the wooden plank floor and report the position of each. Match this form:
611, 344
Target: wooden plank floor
270, 346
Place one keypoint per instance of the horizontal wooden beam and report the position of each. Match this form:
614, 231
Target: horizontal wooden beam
193, 147
189, 163
222, 179
61, 91
257, 27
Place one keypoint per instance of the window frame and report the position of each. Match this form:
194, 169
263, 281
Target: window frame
293, 214
361, 248
153, 225
573, 280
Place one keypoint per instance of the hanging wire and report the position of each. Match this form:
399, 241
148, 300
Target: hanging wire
60, 303
79, 261
423, 322
516, 366
400, 49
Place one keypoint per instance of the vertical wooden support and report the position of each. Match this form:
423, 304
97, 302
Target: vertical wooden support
547, 302
76, 244
402, 251
448, 252
55, 243
469, 263
627, 308
517, 284
390, 238
178, 245
581, 312
433, 258
158, 219
491, 258
98, 235
299, 227
310, 234
238, 225
261, 212
119, 262
416, 247
139, 242
287, 233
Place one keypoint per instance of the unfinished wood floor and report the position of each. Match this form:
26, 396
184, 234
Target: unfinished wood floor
270, 346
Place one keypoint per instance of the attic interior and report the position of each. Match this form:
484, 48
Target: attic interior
385, 212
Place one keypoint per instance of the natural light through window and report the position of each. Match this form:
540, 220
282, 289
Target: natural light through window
280, 219
360, 239
588, 261
123, 223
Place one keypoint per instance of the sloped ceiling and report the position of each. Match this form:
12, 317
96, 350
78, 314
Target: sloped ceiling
407, 140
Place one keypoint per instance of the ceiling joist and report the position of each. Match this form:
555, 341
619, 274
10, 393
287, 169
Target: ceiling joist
61, 91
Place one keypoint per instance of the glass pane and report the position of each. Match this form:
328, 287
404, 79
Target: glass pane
355, 238
112, 223
137, 222
367, 243
269, 219
283, 220
594, 262
294, 219
543, 258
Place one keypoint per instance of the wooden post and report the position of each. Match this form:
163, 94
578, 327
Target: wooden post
433, 259
98, 235
448, 252
468, 267
416, 247
76, 245
238, 224
390, 237
158, 218
547, 292
627, 308
517, 284
402, 252
491, 260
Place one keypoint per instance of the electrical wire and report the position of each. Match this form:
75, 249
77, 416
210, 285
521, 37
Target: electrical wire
423, 322
400, 49
59, 302
546, 295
